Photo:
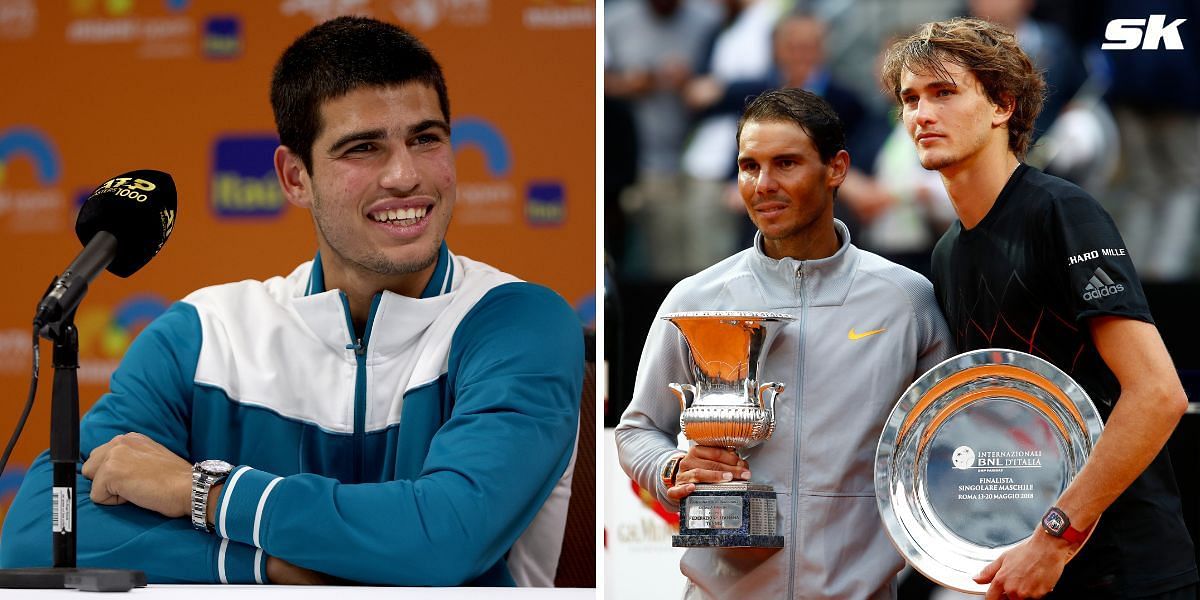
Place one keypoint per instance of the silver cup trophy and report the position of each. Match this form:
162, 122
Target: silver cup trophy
728, 406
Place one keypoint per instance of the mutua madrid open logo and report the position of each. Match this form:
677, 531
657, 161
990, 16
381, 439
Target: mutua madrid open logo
243, 183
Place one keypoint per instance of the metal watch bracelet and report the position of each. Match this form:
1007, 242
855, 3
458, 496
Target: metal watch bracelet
205, 474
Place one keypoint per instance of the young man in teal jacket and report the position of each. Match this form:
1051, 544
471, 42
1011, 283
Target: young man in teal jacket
389, 413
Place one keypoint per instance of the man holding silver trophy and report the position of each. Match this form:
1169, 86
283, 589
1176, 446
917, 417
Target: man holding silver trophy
1035, 264
784, 400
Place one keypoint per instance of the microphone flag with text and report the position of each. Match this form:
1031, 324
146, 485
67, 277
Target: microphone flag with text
122, 225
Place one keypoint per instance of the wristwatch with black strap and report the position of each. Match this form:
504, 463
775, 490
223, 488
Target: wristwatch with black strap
206, 474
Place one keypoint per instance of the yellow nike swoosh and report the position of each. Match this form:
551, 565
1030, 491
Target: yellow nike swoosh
859, 336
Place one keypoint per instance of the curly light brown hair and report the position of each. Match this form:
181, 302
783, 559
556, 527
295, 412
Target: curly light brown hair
990, 52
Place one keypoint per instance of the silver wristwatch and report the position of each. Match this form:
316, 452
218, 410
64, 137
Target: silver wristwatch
205, 474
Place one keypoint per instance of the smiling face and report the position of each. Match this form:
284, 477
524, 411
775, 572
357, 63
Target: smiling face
382, 185
950, 117
787, 190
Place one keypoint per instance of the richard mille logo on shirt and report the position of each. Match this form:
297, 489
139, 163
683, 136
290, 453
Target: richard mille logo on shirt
1094, 254
1101, 285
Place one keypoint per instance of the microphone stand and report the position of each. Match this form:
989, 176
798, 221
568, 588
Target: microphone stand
64, 456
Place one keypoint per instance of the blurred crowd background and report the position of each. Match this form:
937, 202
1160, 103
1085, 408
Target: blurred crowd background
1124, 125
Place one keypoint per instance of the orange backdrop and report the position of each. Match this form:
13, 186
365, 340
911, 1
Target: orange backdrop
95, 88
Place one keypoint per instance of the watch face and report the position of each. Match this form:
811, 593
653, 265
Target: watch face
1055, 522
216, 467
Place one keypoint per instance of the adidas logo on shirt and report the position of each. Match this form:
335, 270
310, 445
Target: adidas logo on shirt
1101, 285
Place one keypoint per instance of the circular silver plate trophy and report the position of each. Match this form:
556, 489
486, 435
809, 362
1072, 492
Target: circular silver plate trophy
973, 454
728, 406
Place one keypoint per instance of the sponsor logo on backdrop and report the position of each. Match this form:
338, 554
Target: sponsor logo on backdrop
18, 19
222, 37
560, 14
545, 204
243, 183
427, 14
26, 208
114, 22
483, 202
670, 517
106, 332
324, 10
112, 8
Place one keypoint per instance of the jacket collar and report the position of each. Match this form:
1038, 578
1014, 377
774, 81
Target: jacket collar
395, 322
823, 281
440, 283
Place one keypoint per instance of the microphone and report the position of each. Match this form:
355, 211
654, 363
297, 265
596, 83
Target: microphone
122, 225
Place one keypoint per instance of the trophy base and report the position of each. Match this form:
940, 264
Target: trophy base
728, 515
727, 541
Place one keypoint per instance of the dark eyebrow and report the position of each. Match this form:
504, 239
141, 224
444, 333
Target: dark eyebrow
792, 156
428, 124
357, 136
378, 134
935, 85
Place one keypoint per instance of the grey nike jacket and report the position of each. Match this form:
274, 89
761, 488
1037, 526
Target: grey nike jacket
865, 328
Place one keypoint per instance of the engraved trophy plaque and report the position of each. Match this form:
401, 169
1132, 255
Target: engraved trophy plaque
973, 454
728, 406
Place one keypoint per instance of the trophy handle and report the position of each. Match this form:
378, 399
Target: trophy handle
686, 393
767, 401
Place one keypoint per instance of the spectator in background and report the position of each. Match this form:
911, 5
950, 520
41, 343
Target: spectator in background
1155, 97
652, 48
740, 51
1047, 45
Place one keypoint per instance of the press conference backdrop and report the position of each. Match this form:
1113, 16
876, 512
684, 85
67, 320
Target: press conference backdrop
96, 87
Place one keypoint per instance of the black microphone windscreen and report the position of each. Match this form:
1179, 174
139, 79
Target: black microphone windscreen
138, 208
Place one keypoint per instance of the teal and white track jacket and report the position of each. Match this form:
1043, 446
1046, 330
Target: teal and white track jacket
417, 454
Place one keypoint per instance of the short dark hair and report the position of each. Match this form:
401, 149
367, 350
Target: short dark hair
811, 112
988, 51
337, 57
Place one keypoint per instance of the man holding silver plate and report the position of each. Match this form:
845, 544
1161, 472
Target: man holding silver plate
792, 353
1035, 264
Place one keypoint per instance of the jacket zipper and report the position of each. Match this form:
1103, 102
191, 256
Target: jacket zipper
359, 346
796, 431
